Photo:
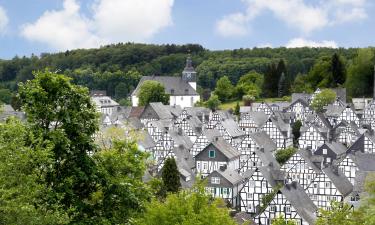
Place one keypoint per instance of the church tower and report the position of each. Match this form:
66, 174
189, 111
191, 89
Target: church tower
189, 74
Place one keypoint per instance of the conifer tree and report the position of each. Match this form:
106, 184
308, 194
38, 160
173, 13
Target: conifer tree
170, 176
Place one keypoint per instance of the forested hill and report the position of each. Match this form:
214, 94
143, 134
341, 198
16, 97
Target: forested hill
117, 68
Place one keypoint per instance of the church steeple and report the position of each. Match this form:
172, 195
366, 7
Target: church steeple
189, 74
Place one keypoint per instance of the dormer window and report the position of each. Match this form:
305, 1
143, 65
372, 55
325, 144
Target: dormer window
212, 154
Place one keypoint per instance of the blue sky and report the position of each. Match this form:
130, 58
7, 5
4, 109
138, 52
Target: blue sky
36, 26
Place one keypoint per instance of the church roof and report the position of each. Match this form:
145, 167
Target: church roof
174, 86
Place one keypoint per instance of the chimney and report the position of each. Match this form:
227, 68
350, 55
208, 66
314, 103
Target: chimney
223, 168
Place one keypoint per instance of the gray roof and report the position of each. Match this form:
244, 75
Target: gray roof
211, 134
224, 147
196, 111
336, 147
314, 161
173, 85
360, 181
185, 164
300, 201
145, 140
8, 111
175, 110
272, 174
340, 181
180, 138
303, 96
163, 111
232, 128
364, 161
259, 117
162, 125
263, 141
231, 175
120, 113
334, 110
244, 218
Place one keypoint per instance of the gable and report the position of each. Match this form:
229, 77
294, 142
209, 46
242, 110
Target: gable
204, 154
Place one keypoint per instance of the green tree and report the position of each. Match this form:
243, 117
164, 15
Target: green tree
224, 89
189, 207
170, 176
249, 84
296, 131
5, 96
283, 155
325, 97
360, 74
152, 91
121, 194
338, 70
340, 214
65, 116
213, 102
301, 85
282, 221
271, 79
24, 187
121, 90
237, 109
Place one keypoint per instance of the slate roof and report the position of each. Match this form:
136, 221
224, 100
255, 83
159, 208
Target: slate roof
175, 110
231, 175
146, 141
336, 147
180, 138
120, 113
303, 96
161, 110
174, 86
8, 111
364, 161
232, 128
211, 134
259, 117
185, 165
334, 110
224, 147
244, 218
136, 111
162, 125
314, 161
300, 201
340, 181
104, 101
263, 141
272, 174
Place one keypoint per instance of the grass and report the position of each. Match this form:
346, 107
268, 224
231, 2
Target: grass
232, 104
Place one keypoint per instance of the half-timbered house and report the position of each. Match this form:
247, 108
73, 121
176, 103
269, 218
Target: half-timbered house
218, 153
292, 203
311, 138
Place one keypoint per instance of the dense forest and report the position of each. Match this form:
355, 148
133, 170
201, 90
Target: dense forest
117, 68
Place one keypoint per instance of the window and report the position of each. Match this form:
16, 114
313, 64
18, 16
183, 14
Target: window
182, 98
212, 154
287, 209
215, 180
273, 208
249, 195
328, 160
251, 184
204, 166
225, 191
324, 151
327, 184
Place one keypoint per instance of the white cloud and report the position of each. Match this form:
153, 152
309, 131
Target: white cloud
123, 20
302, 15
64, 29
3, 19
110, 21
300, 42
232, 25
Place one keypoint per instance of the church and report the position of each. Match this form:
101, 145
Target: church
182, 90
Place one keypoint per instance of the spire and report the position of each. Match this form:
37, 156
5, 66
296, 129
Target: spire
189, 63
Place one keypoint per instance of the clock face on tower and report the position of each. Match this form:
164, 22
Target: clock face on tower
188, 75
